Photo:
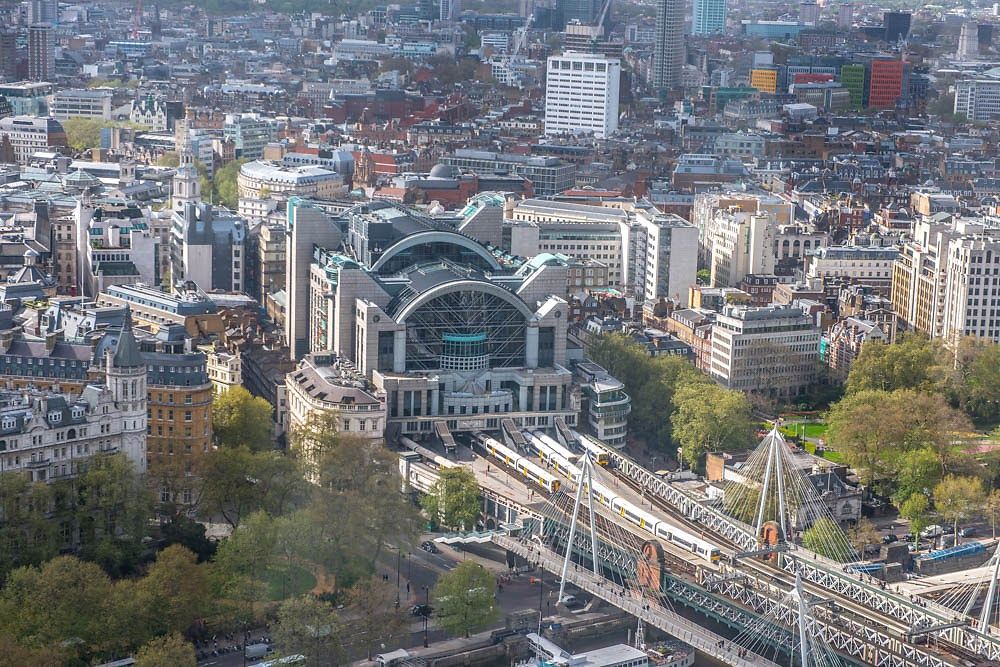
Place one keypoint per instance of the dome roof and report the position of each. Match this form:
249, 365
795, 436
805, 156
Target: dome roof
442, 171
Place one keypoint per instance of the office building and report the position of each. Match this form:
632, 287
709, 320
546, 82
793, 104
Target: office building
82, 103
773, 351
115, 246
648, 254
449, 10
764, 79
668, 49
742, 244
808, 13
581, 94
944, 279
709, 17
548, 175
845, 16
154, 309
43, 11
262, 178
968, 42
8, 55
978, 99
29, 135
605, 404
896, 25
852, 77
41, 52
854, 264
584, 11
437, 324
887, 83
250, 133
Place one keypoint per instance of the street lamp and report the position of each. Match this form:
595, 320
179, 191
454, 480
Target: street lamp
409, 572
427, 610
399, 555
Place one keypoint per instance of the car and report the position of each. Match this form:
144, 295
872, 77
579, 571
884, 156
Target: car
932, 531
871, 549
967, 532
429, 547
889, 538
421, 610
948, 530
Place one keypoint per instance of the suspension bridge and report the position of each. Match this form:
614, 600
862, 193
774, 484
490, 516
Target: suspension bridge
651, 548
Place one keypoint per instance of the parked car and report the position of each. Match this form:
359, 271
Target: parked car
967, 532
889, 538
429, 547
934, 530
421, 610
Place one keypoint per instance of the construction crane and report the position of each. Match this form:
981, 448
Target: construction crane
604, 15
509, 62
136, 21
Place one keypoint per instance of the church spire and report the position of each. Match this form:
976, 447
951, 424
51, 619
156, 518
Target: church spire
127, 353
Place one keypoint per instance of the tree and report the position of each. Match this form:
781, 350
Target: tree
826, 538
240, 418
374, 613
915, 509
167, 651
992, 509
27, 535
237, 482
709, 418
862, 535
914, 362
878, 432
245, 557
917, 472
113, 509
978, 386
224, 183
169, 159
15, 653
453, 501
174, 592
464, 599
357, 508
65, 602
955, 498
308, 627
82, 133
190, 534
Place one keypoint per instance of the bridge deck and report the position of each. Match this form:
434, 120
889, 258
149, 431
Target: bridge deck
688, 631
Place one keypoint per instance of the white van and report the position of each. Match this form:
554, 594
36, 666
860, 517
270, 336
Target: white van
392, 659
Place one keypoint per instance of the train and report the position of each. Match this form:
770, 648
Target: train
428, 455
596, 450
667, 532
522, 464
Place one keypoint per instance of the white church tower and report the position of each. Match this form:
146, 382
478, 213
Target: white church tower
186, 186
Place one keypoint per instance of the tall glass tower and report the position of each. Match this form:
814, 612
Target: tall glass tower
709, 17
668, 50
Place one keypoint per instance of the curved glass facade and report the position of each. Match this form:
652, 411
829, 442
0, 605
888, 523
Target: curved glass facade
434, 251
465, 329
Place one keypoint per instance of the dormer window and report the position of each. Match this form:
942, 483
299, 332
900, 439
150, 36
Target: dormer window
55, 417
78, 413
8, 423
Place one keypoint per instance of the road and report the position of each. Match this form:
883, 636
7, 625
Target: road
421, 570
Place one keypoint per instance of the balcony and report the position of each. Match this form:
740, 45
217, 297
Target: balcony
38, 463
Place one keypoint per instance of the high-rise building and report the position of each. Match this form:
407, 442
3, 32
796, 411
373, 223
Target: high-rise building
852, 77
845, 17
742, 244
668, 50
584, 11
941, 280
709, 17
978, 99
41, 52
808, 13
896, 25
449, 10
8, 55
581, 94
43, 11
886, 83
985, 34
968, 41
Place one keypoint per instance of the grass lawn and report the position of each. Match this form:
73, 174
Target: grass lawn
834, 456
286, 582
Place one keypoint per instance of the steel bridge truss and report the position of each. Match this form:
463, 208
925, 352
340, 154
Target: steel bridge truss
815, 570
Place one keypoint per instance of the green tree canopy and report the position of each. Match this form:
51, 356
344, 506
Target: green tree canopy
826, 538
978, 383
373, 615
309, 627
175, 591
240, 418
464, 599
915, 509
28, 536
237, 481
167, 651
224, 183
959, 498
453, 501
709, 418
914, 362
65, 602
